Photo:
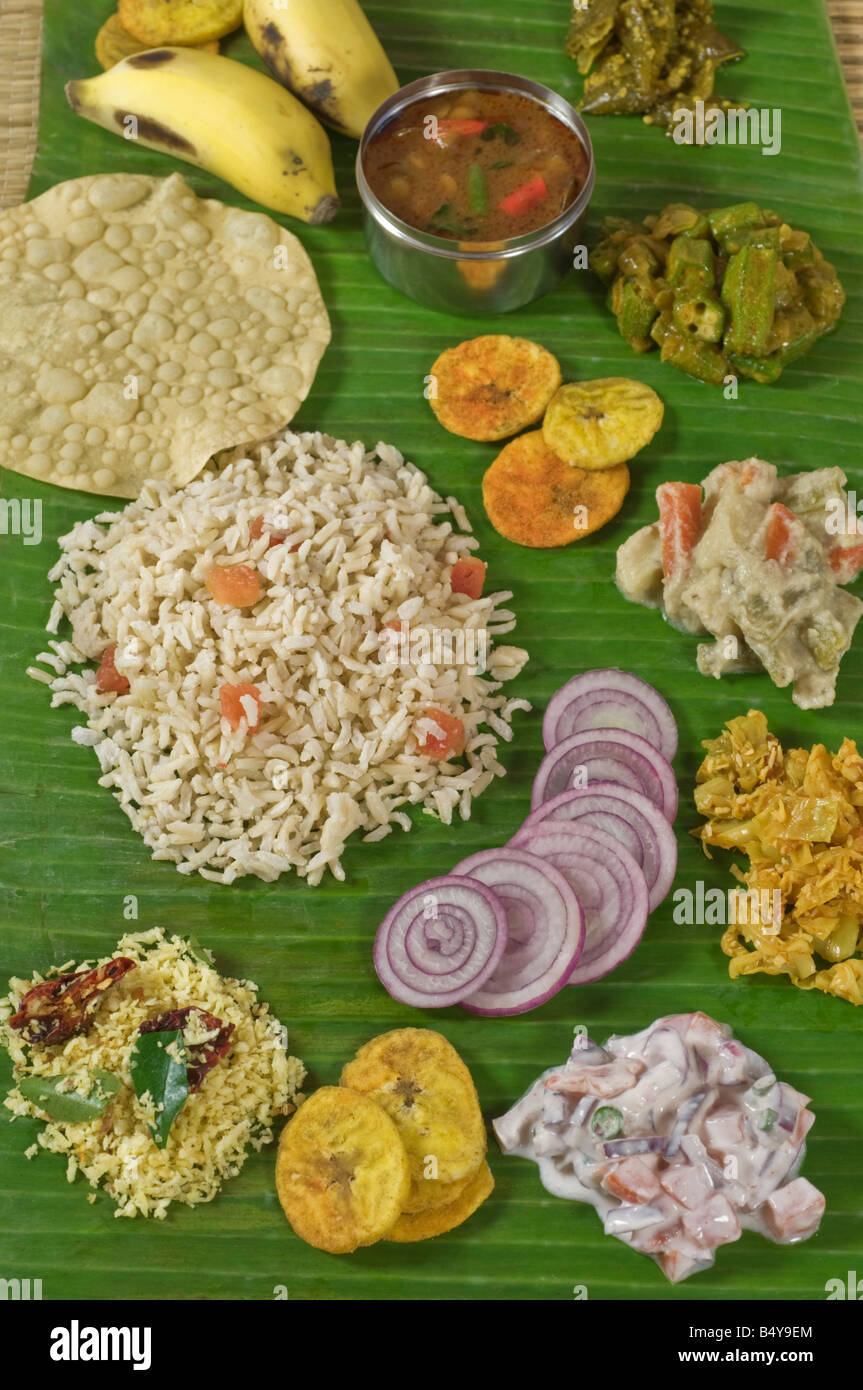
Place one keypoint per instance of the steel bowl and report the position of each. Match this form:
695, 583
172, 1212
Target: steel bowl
437, 272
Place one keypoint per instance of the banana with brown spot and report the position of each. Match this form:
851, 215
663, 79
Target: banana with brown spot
223, 116
327, 53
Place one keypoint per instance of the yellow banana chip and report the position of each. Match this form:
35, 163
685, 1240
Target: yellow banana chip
425, 1224
422, 1083
491, 387
597, 424
180, 21
533, 498
342, 1173
114, 42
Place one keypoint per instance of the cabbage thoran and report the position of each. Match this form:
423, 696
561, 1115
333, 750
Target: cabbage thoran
798, 816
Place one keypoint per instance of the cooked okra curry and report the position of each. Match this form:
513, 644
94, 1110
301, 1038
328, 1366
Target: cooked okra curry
476, 165
733, 290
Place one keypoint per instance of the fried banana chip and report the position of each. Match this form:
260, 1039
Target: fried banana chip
596, 424
186, 22
422, 1083
425, 1224
533, 498
491, 387
342, 1173
114, 42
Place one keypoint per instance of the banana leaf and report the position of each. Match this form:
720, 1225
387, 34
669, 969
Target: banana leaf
70, 864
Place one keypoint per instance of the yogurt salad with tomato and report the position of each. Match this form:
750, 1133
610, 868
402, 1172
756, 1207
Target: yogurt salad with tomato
757, 562
679, 1136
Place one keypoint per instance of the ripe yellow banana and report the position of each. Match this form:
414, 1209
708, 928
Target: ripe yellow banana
223, 116
327, 53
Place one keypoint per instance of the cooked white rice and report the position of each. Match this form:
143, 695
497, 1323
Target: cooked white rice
334, 749
234, 1110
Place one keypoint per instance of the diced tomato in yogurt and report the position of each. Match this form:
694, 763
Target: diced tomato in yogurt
723, 1129
699, 1138
794, 1211
690, 1184
234, 586
608, 1079
440, 735
713, 1223
632, 1181
676, 1265
109, 681
238, 702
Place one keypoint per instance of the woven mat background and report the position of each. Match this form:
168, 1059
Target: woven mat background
20, 38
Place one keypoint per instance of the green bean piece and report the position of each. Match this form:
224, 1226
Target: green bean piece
635, 310
679, 219
477, 190
691, 258
701, 360
748, 293
724, 221
699, 315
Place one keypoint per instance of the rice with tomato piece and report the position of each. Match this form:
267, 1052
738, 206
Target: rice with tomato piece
349, 547
234, 1110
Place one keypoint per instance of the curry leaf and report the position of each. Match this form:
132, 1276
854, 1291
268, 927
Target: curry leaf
505, 132
197, 951
444, 220
54, 1095
159, 1065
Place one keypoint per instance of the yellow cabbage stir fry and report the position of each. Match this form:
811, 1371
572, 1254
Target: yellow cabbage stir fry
798, 816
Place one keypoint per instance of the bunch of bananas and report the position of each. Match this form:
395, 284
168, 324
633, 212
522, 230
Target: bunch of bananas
174, 95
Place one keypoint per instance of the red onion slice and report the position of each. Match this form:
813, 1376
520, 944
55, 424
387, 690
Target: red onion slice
609, 884
440, 942
630, 819
616, 756
545, 927
610, 699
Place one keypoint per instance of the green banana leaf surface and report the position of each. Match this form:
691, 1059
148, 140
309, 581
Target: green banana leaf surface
69, 858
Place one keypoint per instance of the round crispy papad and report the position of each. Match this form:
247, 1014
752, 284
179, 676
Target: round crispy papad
144, 329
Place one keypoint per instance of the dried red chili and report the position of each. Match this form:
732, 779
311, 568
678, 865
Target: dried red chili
202, 1056
61, 1008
